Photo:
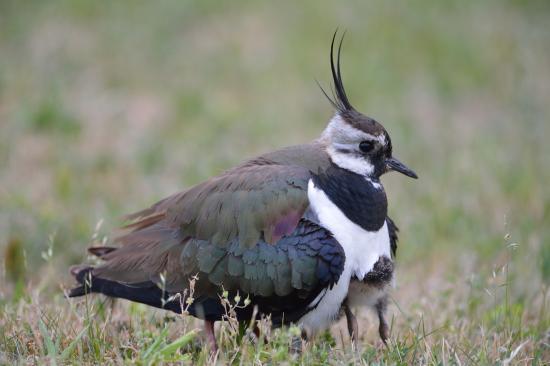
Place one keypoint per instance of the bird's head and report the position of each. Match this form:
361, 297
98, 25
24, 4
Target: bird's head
354, 141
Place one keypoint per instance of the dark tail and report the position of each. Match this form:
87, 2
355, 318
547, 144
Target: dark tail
130, 271
145, 293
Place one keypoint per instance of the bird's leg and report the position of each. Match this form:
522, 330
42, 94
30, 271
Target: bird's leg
256, 331
353, 327
210, 336
383, 328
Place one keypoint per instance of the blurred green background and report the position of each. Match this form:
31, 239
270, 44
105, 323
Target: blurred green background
107, 106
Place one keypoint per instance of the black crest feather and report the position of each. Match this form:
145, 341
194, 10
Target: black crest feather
339, 98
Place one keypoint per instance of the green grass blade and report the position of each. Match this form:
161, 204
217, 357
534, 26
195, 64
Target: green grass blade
155, 345
67, 351
50, 346
182, 341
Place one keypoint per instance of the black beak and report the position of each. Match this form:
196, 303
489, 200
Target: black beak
394, 164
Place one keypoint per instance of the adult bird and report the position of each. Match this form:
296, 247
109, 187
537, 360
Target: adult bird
302, 233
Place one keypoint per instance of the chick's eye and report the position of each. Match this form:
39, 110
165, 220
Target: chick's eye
366, 146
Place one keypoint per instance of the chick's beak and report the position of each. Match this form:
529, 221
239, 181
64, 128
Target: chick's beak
394, 164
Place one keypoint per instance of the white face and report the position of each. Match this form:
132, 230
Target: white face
344, 143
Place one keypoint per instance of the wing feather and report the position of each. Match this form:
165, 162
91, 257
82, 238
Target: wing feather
240, 230
263, 198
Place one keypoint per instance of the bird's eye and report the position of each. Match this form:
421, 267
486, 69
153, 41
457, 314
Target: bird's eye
366, 146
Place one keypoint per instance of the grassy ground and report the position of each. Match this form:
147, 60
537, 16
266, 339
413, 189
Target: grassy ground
106, 107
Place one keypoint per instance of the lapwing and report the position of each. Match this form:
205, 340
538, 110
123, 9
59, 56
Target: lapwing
300, 235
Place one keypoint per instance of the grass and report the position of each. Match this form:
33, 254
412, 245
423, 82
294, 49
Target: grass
107, 107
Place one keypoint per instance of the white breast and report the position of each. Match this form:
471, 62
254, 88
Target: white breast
362, 248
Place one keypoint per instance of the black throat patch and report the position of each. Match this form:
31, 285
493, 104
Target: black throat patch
359, 199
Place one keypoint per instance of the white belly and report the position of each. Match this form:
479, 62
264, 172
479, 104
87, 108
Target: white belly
362, 249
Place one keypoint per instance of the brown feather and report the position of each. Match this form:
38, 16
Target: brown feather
100, 252
143, 254
145, 221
